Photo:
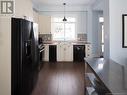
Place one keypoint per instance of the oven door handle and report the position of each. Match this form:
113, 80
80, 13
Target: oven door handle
42, 50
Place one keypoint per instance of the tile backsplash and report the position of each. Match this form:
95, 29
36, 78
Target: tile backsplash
48, 37
82, 37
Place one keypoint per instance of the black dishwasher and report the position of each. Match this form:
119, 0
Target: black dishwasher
52, 53
78, 53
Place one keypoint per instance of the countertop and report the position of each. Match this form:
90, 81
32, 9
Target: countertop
112, 74
66, 42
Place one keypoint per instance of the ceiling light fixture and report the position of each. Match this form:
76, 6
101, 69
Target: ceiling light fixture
64, 19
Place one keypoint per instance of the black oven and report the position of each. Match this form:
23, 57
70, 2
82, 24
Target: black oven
41, 49
41, 52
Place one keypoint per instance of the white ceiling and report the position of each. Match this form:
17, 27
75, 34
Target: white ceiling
60, 2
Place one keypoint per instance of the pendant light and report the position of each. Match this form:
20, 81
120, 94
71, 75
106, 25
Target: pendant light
64, 19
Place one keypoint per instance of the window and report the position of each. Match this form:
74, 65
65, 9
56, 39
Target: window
102, 40
101, 21
63, 31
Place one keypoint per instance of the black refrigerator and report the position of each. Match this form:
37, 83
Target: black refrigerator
24, 56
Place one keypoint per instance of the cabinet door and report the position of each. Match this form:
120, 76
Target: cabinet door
44, 24
46, 53
68, 52
65, 52
60, 52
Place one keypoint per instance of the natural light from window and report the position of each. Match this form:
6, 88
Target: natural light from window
101, 21
63, 31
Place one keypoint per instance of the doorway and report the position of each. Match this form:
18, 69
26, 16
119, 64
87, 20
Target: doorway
101, 32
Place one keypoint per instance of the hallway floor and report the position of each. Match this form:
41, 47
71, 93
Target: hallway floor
61, 79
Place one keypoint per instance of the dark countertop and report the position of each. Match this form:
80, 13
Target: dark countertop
113, 75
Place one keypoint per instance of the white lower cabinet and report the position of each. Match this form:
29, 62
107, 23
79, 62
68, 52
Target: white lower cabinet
65, 52
68, 53
46, 53
60, 52
88, 50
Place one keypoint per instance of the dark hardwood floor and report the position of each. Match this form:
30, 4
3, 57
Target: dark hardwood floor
61, 79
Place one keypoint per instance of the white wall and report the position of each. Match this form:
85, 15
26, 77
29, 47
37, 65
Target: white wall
22, 7
103, 5
89, 24
82, 22
5, 56
117, 8
35, 16
99, 5
96, 33
113, 10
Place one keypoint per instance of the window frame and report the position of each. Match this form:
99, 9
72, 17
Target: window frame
64, 23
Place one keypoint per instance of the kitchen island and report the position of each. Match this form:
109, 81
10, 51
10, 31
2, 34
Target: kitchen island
110, 76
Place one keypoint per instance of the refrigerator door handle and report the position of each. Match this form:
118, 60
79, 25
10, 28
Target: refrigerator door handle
28, 48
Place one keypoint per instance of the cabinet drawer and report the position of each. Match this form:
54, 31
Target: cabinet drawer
88, 50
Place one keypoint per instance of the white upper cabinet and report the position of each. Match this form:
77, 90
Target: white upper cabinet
44, 24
